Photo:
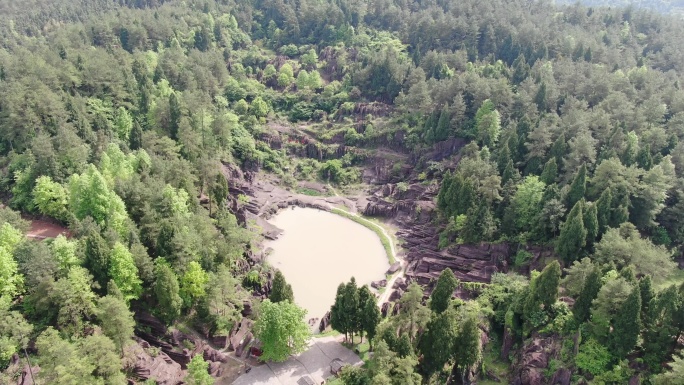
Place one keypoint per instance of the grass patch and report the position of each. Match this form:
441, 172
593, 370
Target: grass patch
373, 227
492, 362
335, 381
363, 348
328, 333
676, 278
309, 192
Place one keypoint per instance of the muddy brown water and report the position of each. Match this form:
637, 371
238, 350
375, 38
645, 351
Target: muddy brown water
319, 250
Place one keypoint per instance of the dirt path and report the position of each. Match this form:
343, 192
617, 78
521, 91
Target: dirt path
384, 297
42, 229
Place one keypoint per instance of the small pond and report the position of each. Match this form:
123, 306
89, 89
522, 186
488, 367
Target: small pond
319, 250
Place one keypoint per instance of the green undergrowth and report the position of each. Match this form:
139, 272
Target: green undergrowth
372, 226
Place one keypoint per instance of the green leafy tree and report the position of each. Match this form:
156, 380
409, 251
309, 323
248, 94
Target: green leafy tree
123, 123
75, 299
443, 291
259, 107
281, 290
116, 320
166, 290
593, 357
526, 203
124, 273
224, 300
198, 372
89, 195
11, 281
674, 375
573, 234
60, 361
487, 124
50, 198
193, 283
625, 246
64, 251
14, 333
281, 329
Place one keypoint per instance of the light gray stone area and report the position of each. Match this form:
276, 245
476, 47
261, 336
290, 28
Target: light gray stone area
315, 363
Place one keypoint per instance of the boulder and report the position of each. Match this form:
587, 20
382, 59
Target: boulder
211, 354
532, 376
379, 284
562, 376
400, 283
396, 294
396, 266
215, 369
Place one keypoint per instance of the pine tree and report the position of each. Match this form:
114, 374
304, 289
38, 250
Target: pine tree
578, 187
281, 290
592, 285
442, 128
644, 158
437, 342
559, 149
444, 290
467, 350
370, 316
550, 172
573, 235
174, 116
504, 157
135, 139
338, 317
548, 283
604, 211
509, 173
480, 225
404, 347
620, 212
167, 292
627, 325
591, 223
647, 294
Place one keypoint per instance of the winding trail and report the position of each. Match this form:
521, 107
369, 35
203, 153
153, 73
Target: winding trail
384, 296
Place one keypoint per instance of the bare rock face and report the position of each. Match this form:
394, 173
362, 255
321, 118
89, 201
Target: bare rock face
239, 332
534, 358
156, 365
325, 322
379, 284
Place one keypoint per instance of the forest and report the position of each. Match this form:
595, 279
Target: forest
121, 120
